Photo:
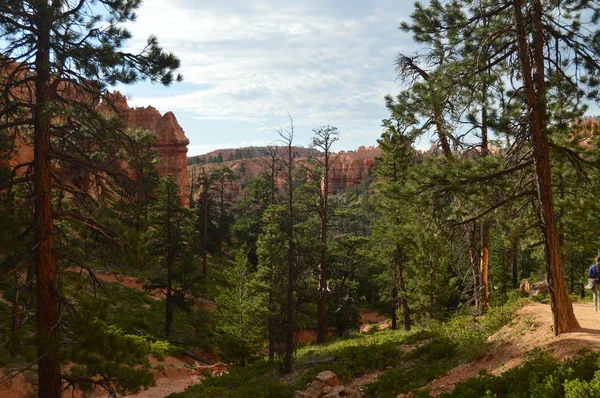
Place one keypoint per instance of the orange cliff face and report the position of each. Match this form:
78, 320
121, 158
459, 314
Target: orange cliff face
171, 142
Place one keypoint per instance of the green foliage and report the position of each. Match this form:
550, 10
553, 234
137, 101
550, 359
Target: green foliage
105, 354
241, 311
121, 306
407, 360
344, 316
170, 236
57, 60
540, 376
249, 212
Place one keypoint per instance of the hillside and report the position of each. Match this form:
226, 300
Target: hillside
229, 154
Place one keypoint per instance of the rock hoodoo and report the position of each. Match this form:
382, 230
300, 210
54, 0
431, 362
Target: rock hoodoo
171, 142
353, 167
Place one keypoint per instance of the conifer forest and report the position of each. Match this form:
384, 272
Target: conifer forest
298, 269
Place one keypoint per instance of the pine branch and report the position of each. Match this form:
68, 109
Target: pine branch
492, 208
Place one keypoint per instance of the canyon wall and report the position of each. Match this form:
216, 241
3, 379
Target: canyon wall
350, 169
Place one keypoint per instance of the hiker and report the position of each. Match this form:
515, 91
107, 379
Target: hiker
594, 282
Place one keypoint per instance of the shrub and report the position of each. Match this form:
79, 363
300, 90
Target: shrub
540, 376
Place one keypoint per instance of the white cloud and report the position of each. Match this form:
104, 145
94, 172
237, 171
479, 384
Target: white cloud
259, 60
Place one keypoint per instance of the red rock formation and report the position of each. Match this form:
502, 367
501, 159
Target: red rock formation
171, 142
231, 154
353, 167
350, 169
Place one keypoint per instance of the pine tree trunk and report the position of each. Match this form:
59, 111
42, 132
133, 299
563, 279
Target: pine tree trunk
323, 293
405, 307
322, 306
44, 258
431, 291
400, 288
394, 307
514, 251
221, 217
169, 300
475, 261
291, 307
205, 231
442, 134
484, 261
16, 317
271, 332
562, 308
484, 256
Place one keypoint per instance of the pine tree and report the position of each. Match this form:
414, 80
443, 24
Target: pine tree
220, 178
546, 56
287, 137
169, 236
241, 309
323, 140
249, 212
271, 249
57, 58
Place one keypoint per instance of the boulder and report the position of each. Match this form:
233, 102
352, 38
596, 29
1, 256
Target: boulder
341, 391
326, 385
328, 378
533, 290
540, 288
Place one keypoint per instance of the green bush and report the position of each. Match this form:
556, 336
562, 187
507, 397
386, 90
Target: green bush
541, 376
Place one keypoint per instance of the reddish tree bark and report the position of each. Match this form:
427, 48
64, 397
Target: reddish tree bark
535, 90
44, 257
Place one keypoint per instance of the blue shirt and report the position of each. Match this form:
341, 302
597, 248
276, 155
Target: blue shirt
593, 272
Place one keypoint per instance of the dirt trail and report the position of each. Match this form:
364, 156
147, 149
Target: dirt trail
531, 329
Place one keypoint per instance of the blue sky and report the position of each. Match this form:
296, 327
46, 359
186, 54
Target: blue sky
247, 63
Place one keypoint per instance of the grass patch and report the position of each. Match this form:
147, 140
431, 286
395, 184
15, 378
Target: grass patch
259, 380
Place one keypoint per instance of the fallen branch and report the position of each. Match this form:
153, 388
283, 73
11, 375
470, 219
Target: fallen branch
317, 362
197, 358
